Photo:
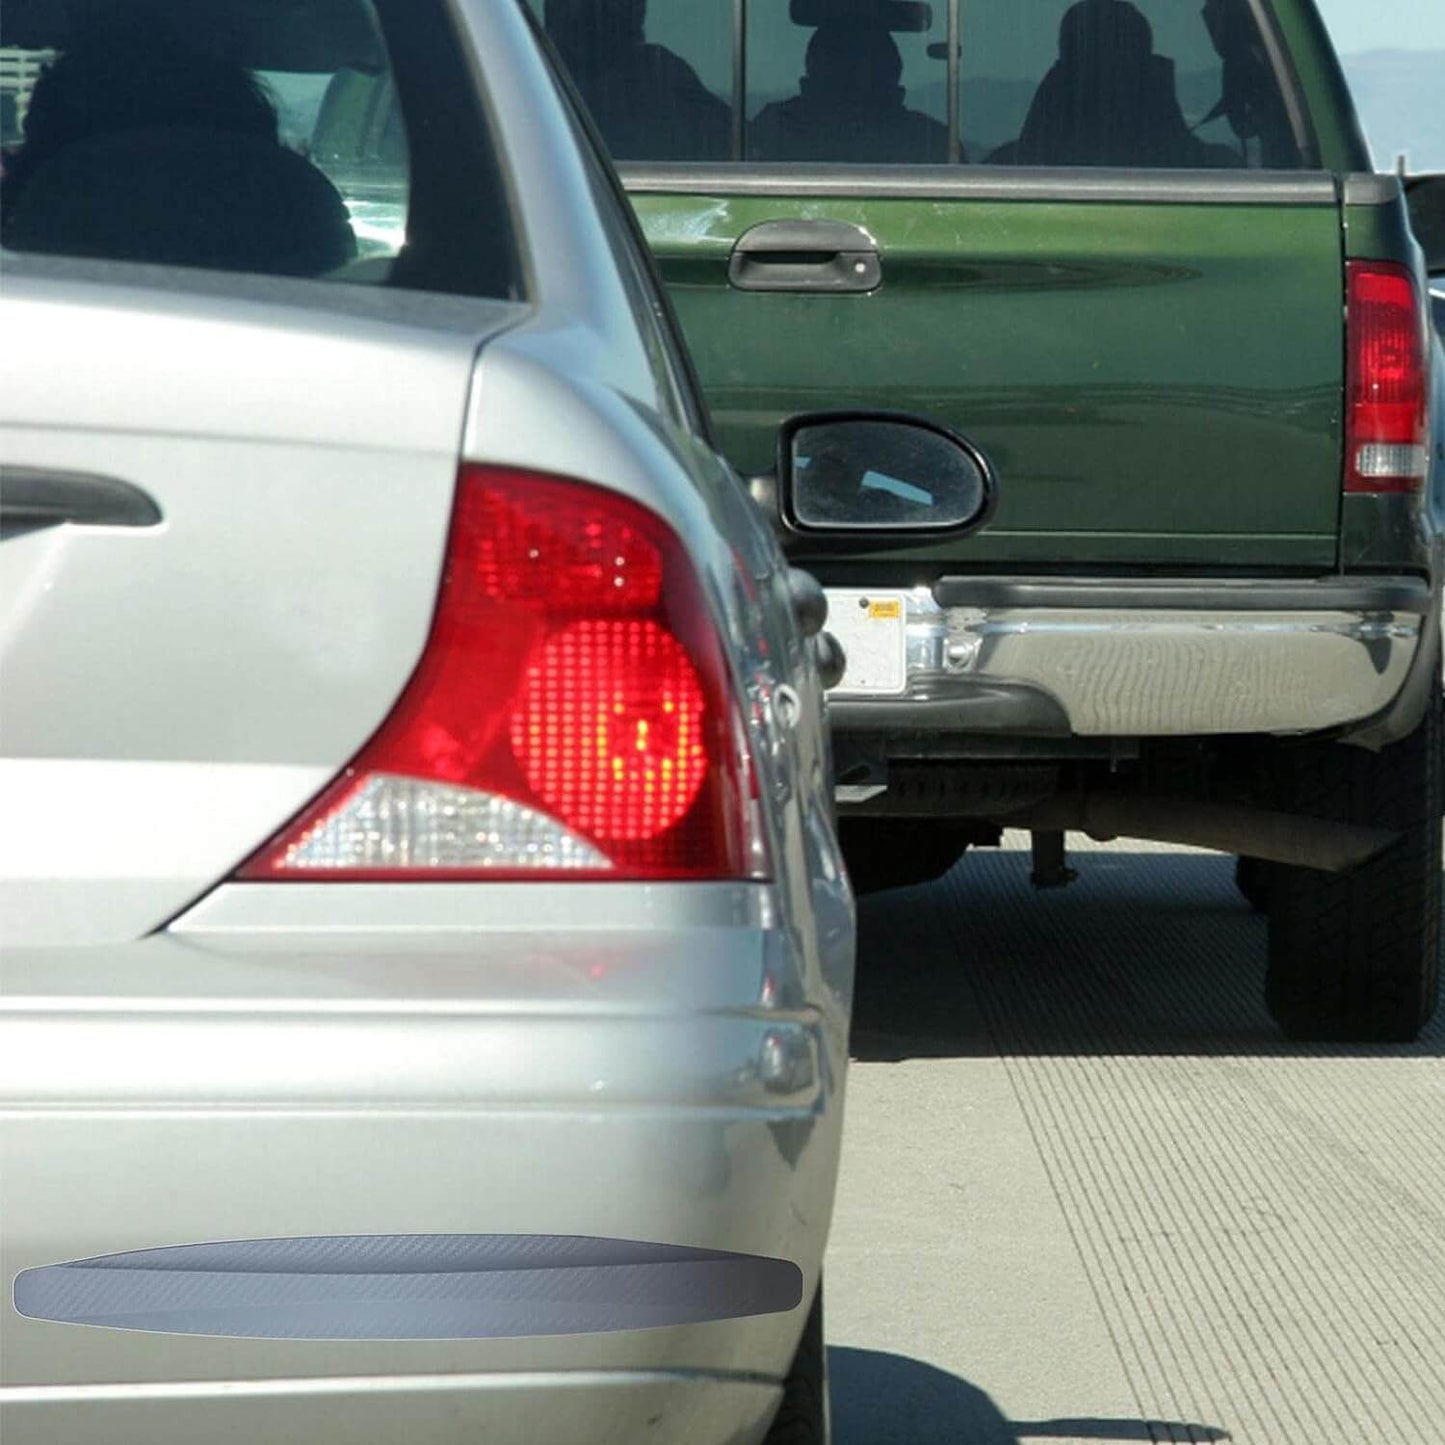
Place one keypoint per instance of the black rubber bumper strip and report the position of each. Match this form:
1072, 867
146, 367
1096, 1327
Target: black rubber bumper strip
975, 705
408, 1287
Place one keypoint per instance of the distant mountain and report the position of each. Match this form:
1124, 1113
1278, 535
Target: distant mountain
1400, 95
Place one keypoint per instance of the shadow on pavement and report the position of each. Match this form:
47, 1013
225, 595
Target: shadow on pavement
1149, 952
883, 1399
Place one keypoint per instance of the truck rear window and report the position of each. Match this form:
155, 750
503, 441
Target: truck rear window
340, 142
1167, 84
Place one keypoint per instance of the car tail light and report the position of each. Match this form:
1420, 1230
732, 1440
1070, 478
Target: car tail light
572, 715
1386, 424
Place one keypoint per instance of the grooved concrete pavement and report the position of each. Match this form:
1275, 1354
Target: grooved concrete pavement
1088, 1194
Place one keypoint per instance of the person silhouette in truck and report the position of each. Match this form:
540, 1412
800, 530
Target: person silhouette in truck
1109, 100
850, 105
648, 103
141, 147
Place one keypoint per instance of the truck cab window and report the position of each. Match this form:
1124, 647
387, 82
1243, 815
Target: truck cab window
863, 85
1130, 83
1152, 84
656, 77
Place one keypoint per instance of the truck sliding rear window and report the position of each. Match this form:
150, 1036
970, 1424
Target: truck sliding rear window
1158, 84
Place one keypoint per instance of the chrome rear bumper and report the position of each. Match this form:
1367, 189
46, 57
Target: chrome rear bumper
1128, 660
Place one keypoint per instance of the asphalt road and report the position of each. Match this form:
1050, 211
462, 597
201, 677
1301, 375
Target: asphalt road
1088, 1194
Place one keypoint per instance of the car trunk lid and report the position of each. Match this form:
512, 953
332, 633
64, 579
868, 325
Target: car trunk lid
176, 689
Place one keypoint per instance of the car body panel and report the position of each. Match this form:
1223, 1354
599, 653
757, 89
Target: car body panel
609, 1407
192, 1060
436, 1072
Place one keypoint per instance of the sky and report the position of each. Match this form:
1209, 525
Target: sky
1394, 54
1384, 24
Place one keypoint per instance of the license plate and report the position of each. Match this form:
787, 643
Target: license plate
873, 628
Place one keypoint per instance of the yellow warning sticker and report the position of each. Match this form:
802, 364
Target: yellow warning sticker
886, 611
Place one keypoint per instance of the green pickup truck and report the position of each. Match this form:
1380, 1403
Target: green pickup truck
1135, 251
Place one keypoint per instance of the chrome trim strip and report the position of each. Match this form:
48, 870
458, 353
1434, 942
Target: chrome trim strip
1348, 593
408, 1287
326, 1385
1358, 629
983, 183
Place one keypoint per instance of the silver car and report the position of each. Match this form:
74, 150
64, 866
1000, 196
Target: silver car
427, 957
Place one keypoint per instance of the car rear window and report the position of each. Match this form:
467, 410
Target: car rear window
1159, 84
340, 141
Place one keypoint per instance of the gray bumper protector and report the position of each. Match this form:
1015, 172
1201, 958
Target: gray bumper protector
408, 1287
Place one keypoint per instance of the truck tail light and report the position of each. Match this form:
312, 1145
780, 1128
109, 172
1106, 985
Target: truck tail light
572, 714
1386, 429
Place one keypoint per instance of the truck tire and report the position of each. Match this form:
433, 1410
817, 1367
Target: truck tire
898, 852
1251, 877
802, 1418
1354, 957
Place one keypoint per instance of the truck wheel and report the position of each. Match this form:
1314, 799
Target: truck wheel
898, 852
1354, 957
802, 1418
1251, 877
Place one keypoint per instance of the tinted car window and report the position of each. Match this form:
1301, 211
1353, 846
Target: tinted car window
1131, 83
655, 74
186, 133
1149, 83
359, 140
866, 84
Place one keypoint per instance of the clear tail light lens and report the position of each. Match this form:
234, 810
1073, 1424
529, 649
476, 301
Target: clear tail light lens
1386, 435
573, 713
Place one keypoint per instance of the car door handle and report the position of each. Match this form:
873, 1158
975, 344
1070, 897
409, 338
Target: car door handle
805, 256
33, 498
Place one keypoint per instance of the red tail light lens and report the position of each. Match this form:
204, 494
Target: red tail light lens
1387, 422
609, 728
572, 715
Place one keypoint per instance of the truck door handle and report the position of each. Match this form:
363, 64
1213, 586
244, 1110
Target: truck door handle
805, 256
32, 498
